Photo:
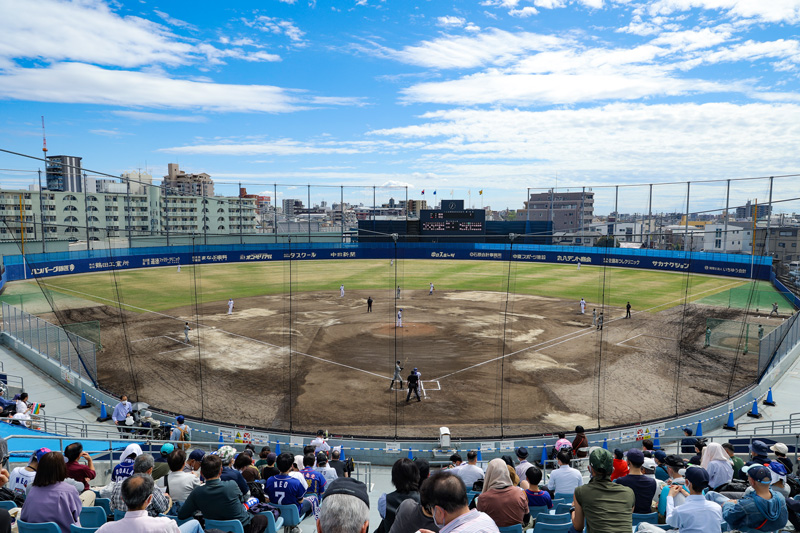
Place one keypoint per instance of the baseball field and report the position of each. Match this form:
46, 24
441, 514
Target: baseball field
503, 347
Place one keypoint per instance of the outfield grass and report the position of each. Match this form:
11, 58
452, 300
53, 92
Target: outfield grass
158, 289
754, 295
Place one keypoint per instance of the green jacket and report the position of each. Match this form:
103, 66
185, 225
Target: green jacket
217, 500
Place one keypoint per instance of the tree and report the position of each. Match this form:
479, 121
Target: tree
607, 241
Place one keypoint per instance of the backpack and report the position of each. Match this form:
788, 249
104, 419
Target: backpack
7, 494
793, 484
349, 464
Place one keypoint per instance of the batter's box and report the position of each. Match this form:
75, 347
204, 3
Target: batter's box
160, 344
645, 341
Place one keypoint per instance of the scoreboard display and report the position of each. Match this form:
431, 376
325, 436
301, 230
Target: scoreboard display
457, 221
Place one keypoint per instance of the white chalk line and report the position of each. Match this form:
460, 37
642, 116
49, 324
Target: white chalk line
622, 343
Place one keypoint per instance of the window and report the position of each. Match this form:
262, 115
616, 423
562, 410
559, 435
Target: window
70, 198
91, 198
92, 208
71, 229
718, 243
71, 219
221, 227
70, 208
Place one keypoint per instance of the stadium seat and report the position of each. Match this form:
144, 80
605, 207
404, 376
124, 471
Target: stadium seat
93, 517
555, 518
556, 502
517, 528
118, 515
650, 518
78, 529
174, 517
105, 503
44, 527
564, 496
542, 527
233, 526
272, 524
562, 508
535, 511
290, 515
7, 504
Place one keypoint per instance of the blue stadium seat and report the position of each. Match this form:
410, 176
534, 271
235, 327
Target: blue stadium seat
536, 511
562, 508
567, 497
272, 524
105, 503
650, 518
44, 527
118, 515
179, 521
78, 529
517, 528
541, 527
7, 504
93, 517
225, 525
290, 515
555, 518
557, 501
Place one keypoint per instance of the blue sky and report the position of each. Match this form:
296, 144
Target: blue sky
498, 95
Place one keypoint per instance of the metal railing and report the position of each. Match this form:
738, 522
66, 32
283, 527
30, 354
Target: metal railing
785, 426
81, 429
366, 476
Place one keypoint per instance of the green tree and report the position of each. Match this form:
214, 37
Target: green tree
607, 241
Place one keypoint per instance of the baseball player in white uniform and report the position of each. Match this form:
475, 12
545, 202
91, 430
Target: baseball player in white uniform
230, 306
399, 318
341, 291
583, 306
421, 386
579, 266
179, 267
430, 292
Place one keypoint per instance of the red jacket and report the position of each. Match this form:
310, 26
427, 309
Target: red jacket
620, 469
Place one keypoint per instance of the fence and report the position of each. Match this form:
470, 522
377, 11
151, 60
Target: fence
733, 335
76, 355
778, 343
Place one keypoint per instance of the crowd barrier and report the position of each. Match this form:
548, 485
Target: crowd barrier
83, 261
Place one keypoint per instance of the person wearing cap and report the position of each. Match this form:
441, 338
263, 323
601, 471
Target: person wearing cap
222, 500
524, 465
284, 489
345, 508
643, 487
760, 510
781, 450
696, 515
270, 469
449, 508
605, 506
779, 474
322, 467
193, 462
759, 453
675, 468
565, 479
319, 443
161, 468
227, 454
413, 386
716, 461
22, 476
125, 467
181, 433
661, 467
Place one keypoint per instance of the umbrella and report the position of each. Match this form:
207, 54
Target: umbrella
139, 406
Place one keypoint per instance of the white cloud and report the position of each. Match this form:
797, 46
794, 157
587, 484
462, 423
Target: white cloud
88, 84
450, 21
178, 23
280, 147
550, 4
525, 12
108, 133
693, 39
145, 116
472, 27
763, 10
277, 26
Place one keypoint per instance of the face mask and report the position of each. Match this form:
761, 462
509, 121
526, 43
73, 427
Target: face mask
440, 526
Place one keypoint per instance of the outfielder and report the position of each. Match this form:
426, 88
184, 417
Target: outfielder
230, 306
179, 267
583, 306
341, 290
399, 318
186, 330
397, 376
398, 292
579, 266
430, 292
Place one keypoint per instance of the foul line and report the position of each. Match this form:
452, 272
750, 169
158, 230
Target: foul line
622, 343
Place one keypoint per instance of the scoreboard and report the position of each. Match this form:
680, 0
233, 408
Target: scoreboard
457, 221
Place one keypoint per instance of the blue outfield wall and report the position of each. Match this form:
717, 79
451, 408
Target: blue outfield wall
84, 261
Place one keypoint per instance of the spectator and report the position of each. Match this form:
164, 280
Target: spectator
688, 442
718, 465
536, 496
647, 447
345, 509
8, 407
737, 462
562, 441
244, 461
675, 466
760, 510
696, 514
5, 517
147, 421
620, 465
339, 466
512, 471
142, 465
222, 500
125, 467
256, 489
283, 489
643, 487
565, 479
758, 456
137, 494
781, 450
22, 404
699, 446
226, 455
470, 472
77, 471
298, 459
22, 476
455, 460
179, 482
320, 444
49, 498
194, 461
524, 465
413, 516
661, 467
181, 433
160, 467
449, 508
262, 458
779, 472
506, 504
322, 467
120, 413
405, 478
270, 469
316, 481
579, 442
605, 506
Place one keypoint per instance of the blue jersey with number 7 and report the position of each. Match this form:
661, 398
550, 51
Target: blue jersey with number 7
284, 490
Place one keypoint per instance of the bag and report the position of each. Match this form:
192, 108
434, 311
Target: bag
349, 464
478, 486
257, 491
261, 508
7, 494
793, 485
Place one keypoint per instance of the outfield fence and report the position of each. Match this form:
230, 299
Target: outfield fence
76, 355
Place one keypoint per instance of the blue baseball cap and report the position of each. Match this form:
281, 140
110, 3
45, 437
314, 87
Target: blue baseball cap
197, 455
180, 419
39, 453
758, 473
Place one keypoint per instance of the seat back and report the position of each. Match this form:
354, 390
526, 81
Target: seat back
118, 515
272, 524
554, 518
557, 501
44, 527
542, 527
225, 525
537, 510
7, 504
650, 518
566, 496
290, 515
105, 503
562, 508
516, 528
93, 517
78, 529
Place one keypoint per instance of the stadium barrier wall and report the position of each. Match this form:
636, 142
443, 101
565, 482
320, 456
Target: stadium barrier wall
384, 451
84, 261
789, 295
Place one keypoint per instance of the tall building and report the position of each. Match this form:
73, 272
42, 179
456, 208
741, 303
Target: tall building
746, 212
567, 210
291, 206
64, 173
180, 183
140, 181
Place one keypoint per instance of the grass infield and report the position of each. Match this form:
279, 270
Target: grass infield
158, 289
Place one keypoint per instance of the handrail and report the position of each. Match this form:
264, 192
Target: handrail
77, 428
785, 424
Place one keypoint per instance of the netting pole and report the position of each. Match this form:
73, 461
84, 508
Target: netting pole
309, 212
341, 210
394, 238
769, 218
727, 216
275, 196
649, 215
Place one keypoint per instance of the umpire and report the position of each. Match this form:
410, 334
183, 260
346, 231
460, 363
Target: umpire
413, 386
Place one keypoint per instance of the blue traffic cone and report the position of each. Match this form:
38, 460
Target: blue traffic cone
769, 401
699, 432
277, 448
754, 412
730, 424
221, 441
656, 442
605, 444
410, 454
480, 458
84, 404
342, 458
544, 454
103, 414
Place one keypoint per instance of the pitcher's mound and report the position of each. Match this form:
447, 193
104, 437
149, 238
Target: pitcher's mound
409, 329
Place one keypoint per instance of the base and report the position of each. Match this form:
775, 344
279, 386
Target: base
771, 404
729, 428
88, 405
103, 419
751, 415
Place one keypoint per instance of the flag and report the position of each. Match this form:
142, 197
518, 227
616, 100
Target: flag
480, 192
423, 191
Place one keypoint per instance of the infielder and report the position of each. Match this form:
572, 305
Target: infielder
397, 376
186, 330
583, 306
594, 317
230, 306
399, 318
341, 291
398, 292
419, 384
774, 309
760, 332
579, 266
600, 322
430, 292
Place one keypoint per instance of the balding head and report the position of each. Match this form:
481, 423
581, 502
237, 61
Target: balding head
136, 491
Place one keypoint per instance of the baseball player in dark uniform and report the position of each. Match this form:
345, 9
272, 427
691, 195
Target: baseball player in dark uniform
369, 304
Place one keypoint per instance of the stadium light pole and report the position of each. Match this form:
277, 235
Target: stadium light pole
727, 216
